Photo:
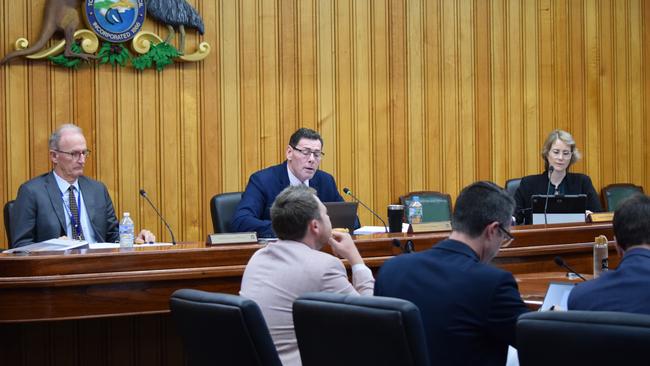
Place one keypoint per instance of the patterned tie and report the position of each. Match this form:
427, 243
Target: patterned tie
77, 233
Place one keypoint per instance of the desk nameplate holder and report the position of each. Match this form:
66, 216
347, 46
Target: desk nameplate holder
600, 217
232, 238
430, 227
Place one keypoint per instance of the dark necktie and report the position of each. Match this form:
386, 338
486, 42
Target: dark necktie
77, 233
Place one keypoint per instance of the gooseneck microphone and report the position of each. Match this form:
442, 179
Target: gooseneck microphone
143, 193
550, 173
349, 193
560, 262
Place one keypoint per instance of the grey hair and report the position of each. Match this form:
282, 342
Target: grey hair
55, 137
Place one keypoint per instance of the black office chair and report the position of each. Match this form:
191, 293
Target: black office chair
512, 185
336, 329
222, 208
222, 329
583, 338
7, 219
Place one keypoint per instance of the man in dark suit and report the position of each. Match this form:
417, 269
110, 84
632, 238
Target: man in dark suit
63, 202
304, 154
469, 308
628, 287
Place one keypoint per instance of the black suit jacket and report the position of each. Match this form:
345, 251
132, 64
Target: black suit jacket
575, 183
38, 212
469, 309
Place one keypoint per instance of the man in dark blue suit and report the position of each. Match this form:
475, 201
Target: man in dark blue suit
628, 287
469, 308
304, 154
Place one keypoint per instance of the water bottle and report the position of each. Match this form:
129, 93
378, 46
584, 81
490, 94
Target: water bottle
126, 231
415, 211
601, 254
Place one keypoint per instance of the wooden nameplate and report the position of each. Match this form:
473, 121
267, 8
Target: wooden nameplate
232, 238
600, 217
430, 227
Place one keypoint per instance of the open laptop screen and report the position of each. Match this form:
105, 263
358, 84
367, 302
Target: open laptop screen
557, 294
342, 214
560, 208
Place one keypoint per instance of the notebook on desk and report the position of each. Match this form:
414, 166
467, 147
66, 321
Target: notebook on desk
342, 214
557, 295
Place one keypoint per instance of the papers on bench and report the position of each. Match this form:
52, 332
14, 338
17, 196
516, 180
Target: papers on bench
365, 230
117, 245
52, 245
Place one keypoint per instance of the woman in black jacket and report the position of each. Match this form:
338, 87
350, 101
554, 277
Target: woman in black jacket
559, 153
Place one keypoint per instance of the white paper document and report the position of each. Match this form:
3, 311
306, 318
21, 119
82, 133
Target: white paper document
51, 245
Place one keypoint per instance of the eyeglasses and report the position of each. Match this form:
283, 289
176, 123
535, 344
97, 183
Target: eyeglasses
508, 237
75, 154
306, 152
564, 153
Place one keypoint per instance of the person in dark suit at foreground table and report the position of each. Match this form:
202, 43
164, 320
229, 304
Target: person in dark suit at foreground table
304, 154
559, 152
469, 308
44, 209
627, 288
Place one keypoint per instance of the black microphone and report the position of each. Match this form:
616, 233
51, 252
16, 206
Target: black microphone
560, 262
349, 193
409, 247
550, 173
143, 193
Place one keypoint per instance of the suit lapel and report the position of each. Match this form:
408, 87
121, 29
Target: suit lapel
55, 199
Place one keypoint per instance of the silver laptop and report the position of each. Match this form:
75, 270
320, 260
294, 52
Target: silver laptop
559, 208
342, 214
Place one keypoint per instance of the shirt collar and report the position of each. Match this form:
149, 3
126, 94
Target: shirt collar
293, 180
63, 184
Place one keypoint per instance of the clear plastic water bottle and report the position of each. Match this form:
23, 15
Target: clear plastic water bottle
601, 256
415, 211
126, 231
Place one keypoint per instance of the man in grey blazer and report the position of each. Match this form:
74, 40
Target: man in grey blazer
282, 271
63, 202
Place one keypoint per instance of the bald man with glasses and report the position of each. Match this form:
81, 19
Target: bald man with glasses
63, 202
303, 156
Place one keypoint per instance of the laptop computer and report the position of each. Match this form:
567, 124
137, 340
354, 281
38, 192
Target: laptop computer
342, 214
560, 209
557, 295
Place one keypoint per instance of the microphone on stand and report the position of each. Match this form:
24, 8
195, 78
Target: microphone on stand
560, 262
550, 172
349, 193
143, 193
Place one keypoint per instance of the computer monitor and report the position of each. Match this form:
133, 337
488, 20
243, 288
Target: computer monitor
342, 214
560, 208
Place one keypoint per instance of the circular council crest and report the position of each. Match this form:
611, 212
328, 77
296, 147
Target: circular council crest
115, 20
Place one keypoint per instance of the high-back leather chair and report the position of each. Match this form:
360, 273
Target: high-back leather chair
583, 338
7, 219
222, 208
337, 329
222, 329
512, 185
614, 194
436, 206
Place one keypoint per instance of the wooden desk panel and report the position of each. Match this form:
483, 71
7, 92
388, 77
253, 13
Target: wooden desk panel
101, 283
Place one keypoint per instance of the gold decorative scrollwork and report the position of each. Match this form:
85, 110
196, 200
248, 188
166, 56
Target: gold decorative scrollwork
143, 40
89, 44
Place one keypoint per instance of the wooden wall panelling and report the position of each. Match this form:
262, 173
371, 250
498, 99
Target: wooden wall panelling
407, 95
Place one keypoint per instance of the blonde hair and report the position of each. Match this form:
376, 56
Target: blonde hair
564, 137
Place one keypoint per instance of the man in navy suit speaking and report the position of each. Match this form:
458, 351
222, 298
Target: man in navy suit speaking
64, 202
469, 308
627, 288
304, 154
